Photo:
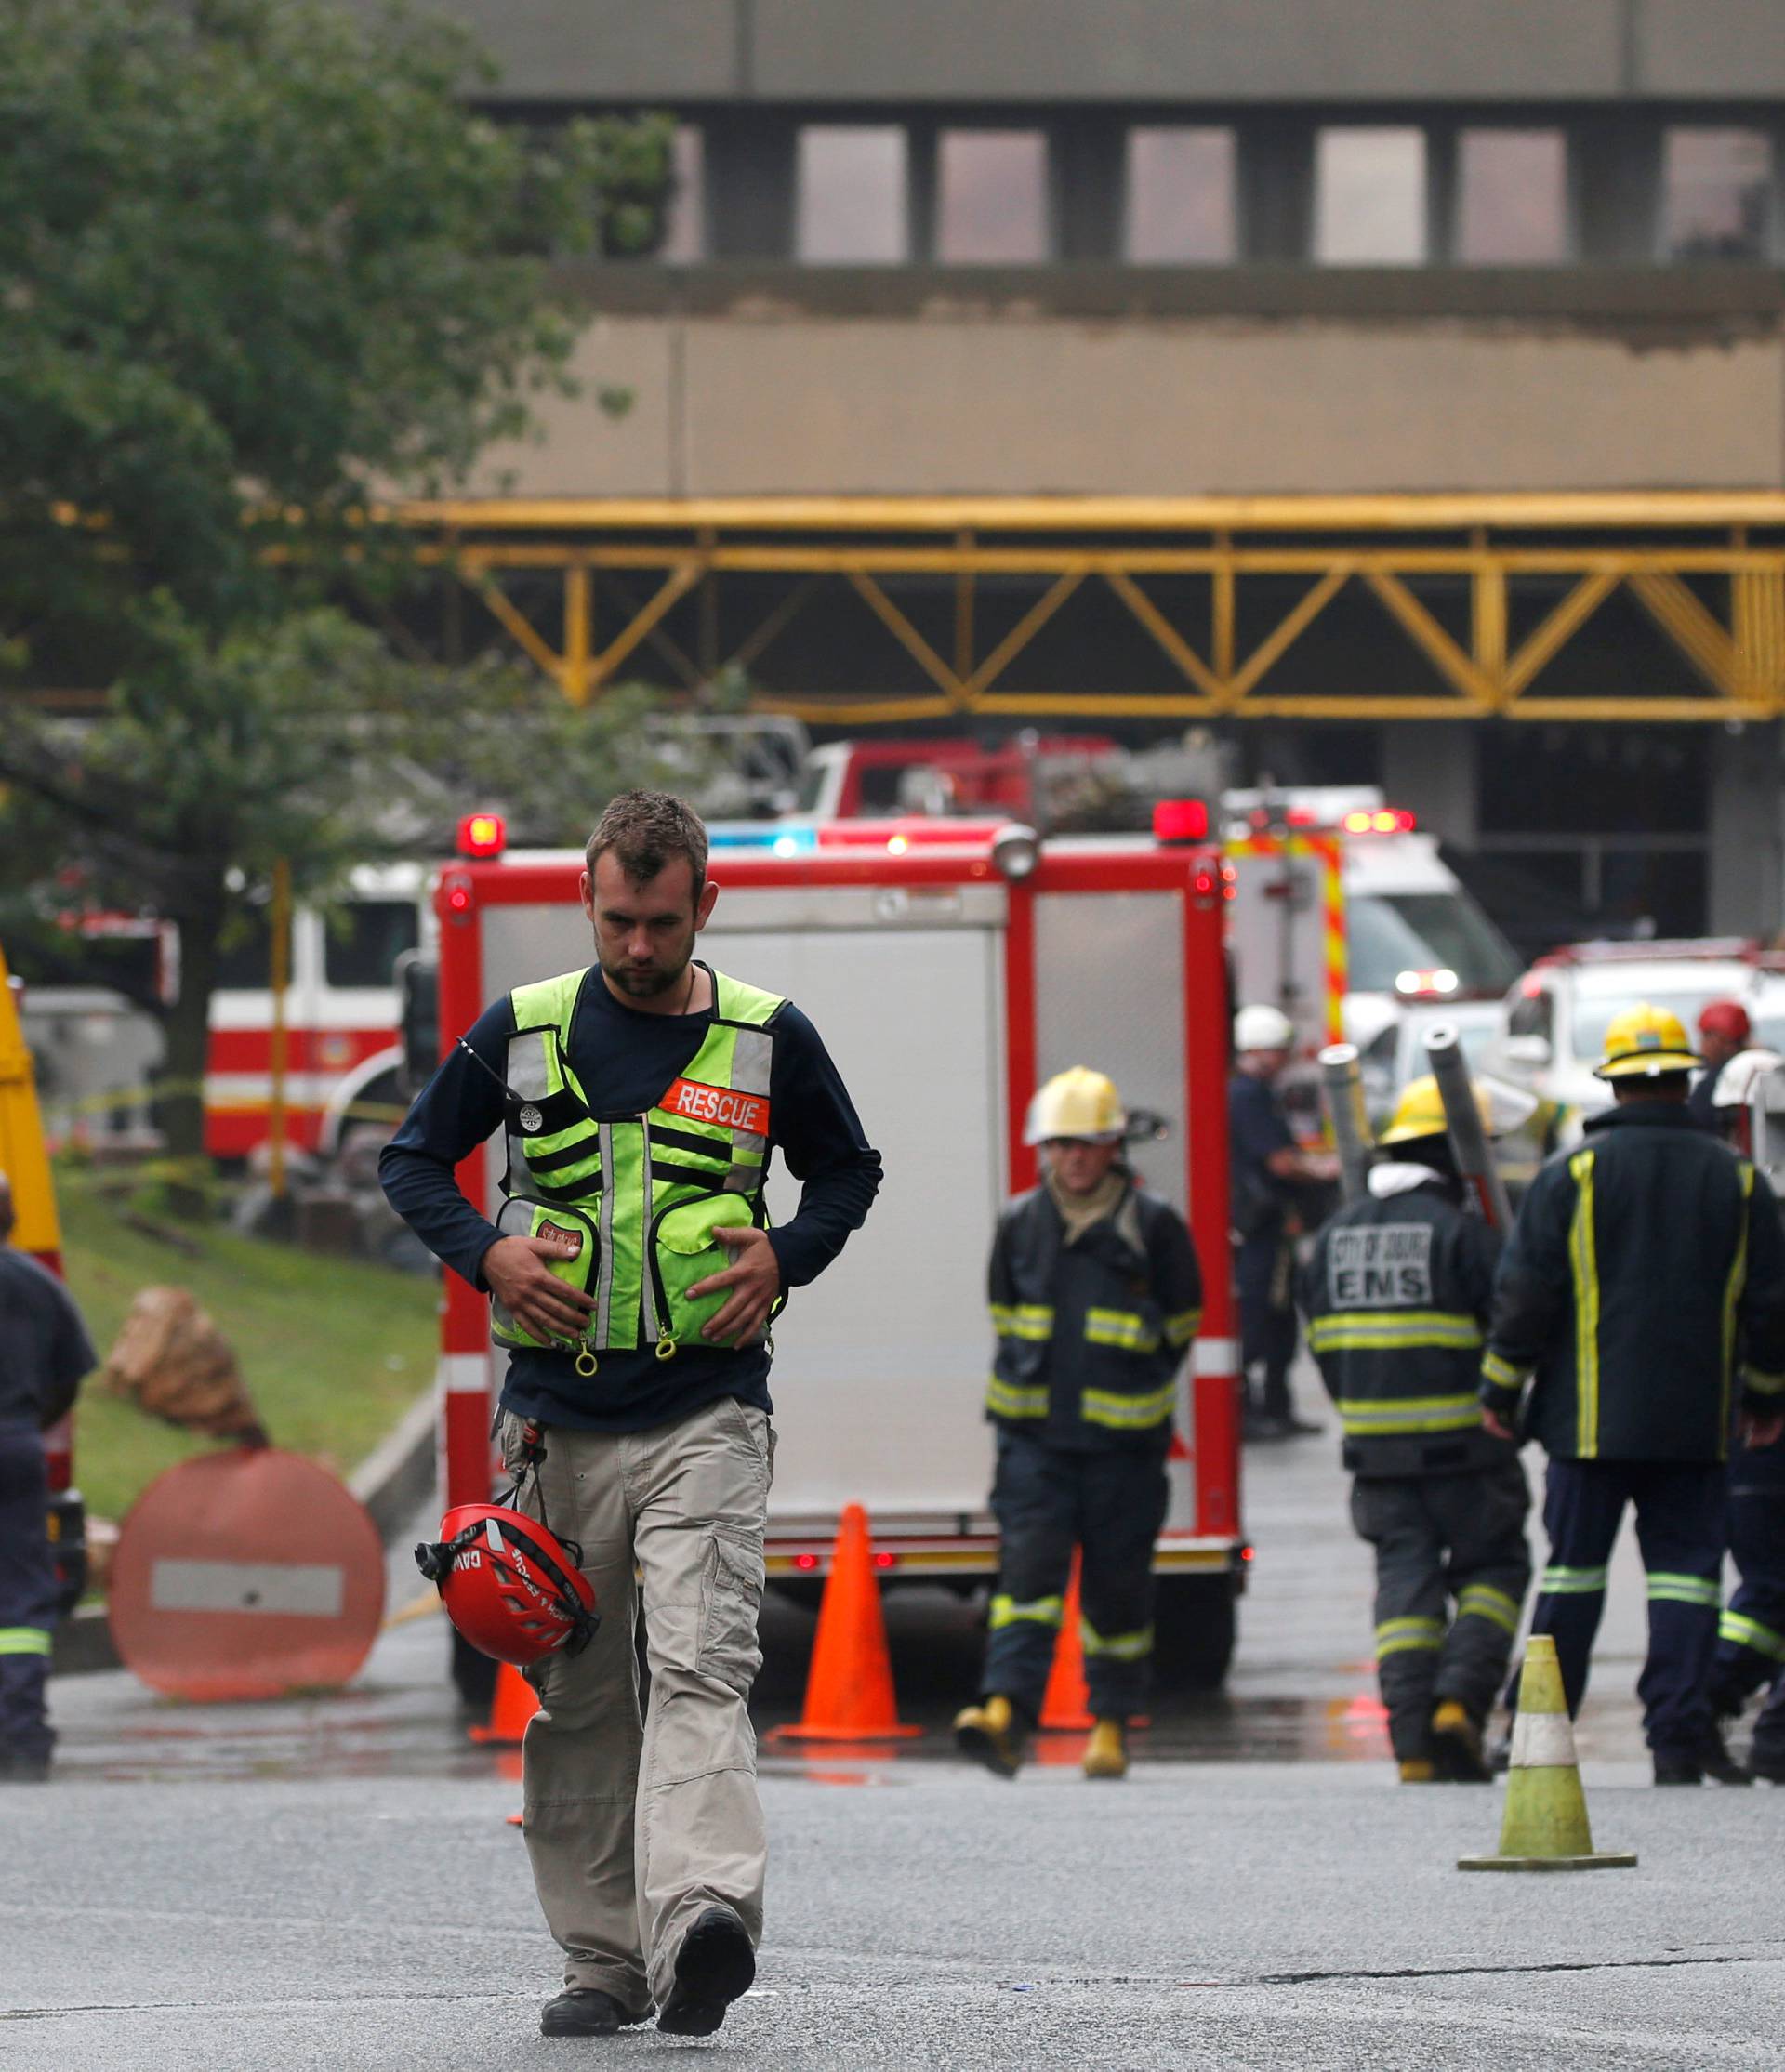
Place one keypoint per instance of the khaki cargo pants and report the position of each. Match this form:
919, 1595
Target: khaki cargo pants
634, 1828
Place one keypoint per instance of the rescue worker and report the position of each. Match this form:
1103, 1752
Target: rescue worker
1095, 1296
1397, 1294
632, 1276
1267, 1164
1724, 1032
1643, 1287
44, 1355
1750, 1635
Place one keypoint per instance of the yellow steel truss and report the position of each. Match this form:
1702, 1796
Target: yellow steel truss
1654, 548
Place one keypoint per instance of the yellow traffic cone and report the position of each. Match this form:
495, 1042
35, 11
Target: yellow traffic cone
1545, 1824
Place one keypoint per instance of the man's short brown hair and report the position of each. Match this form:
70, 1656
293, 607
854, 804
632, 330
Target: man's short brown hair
648, 829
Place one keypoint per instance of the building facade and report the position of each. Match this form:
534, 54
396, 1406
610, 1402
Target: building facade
1395, 384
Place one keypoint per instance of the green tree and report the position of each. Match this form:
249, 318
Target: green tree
259, 265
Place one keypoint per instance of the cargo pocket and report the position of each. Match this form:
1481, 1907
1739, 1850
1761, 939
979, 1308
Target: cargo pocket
730, 1600
684, 1250
521, 1217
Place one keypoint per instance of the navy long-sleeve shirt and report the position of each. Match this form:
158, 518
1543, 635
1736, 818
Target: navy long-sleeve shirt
626, 1059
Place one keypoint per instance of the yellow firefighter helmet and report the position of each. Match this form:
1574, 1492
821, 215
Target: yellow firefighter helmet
1078, 1102
1643, 1042
1420, 1112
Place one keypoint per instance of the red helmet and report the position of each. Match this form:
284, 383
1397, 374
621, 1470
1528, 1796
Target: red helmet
1725, 1017
514, 1589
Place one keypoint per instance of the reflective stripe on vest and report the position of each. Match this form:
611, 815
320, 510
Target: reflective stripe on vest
1392, 1330
648, 1189
1375, 1418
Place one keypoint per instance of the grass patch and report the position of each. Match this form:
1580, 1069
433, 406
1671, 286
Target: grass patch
333, 1350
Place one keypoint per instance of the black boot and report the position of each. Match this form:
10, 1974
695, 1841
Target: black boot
1718, 1762
715, 1966
584, 2011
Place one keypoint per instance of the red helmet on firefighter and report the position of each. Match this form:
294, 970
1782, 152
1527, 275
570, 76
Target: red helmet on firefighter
512, 1588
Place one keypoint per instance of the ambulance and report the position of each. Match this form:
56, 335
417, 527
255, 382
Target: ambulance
950, 969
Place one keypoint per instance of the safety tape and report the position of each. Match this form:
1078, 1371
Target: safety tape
1004, 1400
1035, 1611
1542, 1741
1116, 1647
1483, 1601
1023, 1320
1749, 1632
1122, 1413
23, 1640
1573, 1582
1665, 1588
1503, 1373
1366, 1418
1398, 1636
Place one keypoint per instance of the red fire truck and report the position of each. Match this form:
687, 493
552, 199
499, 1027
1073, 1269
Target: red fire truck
948, 977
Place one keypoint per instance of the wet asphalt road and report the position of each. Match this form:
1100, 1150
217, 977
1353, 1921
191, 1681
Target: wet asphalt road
332, 1883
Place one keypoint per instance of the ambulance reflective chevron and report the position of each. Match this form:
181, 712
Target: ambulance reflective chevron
1008, 963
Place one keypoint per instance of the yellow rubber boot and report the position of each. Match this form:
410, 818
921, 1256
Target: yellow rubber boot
989, 1733
1418, 1770
1107, 1751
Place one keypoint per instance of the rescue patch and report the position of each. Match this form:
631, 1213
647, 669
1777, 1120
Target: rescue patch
1379, 1266
530, 1119
724, 1106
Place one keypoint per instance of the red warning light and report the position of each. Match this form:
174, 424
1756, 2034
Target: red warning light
805, 1563
886, 1560
481, 835
1180, 820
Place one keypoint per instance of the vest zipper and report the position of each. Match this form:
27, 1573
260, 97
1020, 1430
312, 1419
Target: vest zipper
652, 1309
604, 1289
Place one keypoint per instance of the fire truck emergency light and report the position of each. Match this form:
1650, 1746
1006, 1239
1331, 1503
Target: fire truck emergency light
1384, 820
481, 835
1180, 820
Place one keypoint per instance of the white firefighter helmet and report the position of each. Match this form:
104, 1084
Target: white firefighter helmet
1737, 1081
1078, 1102
1262, 1027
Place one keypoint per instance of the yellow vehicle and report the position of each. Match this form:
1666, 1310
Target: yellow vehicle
35, 1230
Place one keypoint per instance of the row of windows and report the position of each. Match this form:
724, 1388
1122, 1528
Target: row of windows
1371, 205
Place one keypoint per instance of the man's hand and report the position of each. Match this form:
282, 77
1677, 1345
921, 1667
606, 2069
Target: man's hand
539, 1302
1761, 1428
754, 1278
1500, 1429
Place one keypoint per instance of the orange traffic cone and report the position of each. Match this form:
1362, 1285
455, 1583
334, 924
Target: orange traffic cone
514, 1704
849, 1687
1065, 1706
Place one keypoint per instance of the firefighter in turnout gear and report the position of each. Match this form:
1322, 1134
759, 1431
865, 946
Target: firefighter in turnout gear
1095, 1297
1396, 1296
1750, 1636
1643, 1298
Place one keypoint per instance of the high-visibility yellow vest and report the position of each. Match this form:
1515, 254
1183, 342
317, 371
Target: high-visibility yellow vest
643, 1195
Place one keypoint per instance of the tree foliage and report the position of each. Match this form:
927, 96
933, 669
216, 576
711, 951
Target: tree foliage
261, 264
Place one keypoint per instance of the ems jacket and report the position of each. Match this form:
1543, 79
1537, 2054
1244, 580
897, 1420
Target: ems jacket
1645, 1275
1397, 1295
1091, 1335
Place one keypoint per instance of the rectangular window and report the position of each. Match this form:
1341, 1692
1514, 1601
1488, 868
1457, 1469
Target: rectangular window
245, 951
363, 939
1512, 197
684, 233
1180, 197
1716, 194
850, 198
992, 197
1370, 197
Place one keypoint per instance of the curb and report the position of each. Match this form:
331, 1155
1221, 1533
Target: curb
391, 1482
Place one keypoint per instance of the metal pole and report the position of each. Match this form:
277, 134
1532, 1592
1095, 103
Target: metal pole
1469, 1143
279, 977
1343, 1083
